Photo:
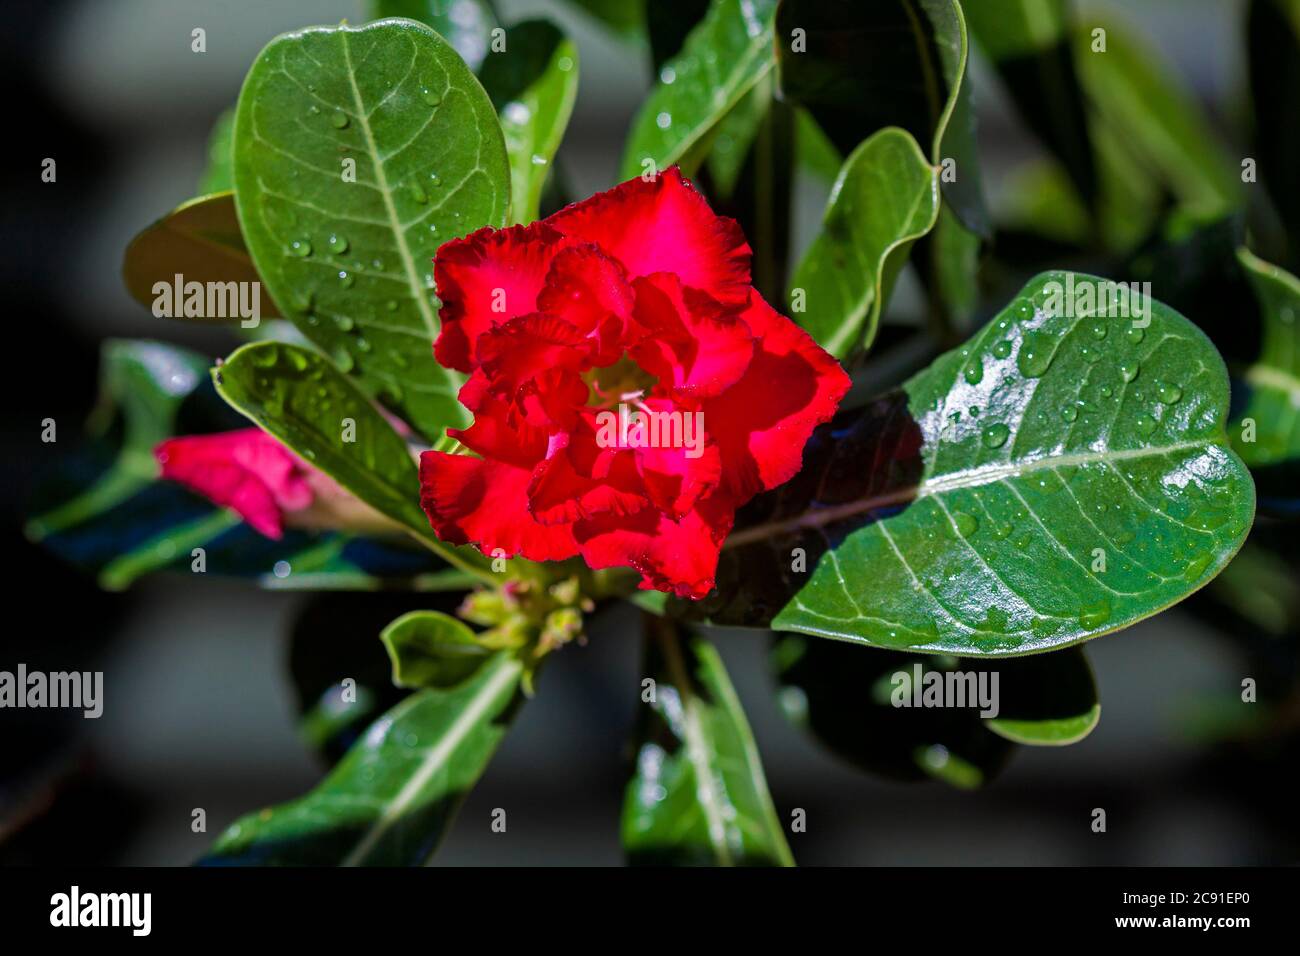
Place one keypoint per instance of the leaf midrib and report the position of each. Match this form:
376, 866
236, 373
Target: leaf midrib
967, 478
434, 757
381, 180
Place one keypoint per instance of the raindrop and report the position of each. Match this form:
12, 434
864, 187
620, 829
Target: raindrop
337, 243
1022, 309
1144, 423
346, 279
339, 119
664, 120
344, 323
995, 436
1070, 413
1035, 356
281, 569
430, 96
967, 525
1099, 330
1129, 371
418, 194
974, 372
1002, 349
300, 248
1135, 335
1094, 615
1168, 393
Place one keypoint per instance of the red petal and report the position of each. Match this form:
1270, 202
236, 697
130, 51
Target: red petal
497, 433
677, 556
485, 279
762, 423
663, 225
589, 290
675, 480
694, 346
486, 503
246, 470
513, 354
580, 480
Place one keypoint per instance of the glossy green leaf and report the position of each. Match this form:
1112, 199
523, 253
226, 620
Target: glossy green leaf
533, 86
1029, 43
886, 196
1046, 700
299, 397
199, 240
219, 176
1267, 432
860, 67
698, 796
816, 152
735, 135
465, 24
723, 58
432, 649
843, 696
350, 262
391, 798
973, 512
1141, 108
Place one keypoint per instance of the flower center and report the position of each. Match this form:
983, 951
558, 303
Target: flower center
624, 381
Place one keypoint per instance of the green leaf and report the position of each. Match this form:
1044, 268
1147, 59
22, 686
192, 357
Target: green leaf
1140, 107
300, 398
1046, 700
816, 152
349, 262
723, 58
971, 512
1273, 381
1029, 43
432, 649
200, 241
392, 797
220, 175
465, 24
698, 796
533, 87
842, 696
901, 63
145, 383
886, 196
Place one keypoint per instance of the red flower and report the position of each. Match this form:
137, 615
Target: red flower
634, 303
269, 486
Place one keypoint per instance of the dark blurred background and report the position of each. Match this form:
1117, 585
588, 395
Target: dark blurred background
199, 708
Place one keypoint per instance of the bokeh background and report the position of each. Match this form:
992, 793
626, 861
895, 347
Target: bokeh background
199, 709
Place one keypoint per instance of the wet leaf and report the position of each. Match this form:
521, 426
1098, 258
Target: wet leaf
1267, 433
391, 798
1046, 700
533, 86
698, 796
886, 196
723, 58
220, 174
349, 262
1060, 477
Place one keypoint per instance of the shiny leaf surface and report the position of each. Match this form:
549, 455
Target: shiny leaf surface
432, 649
698, 796
1061, 476
392, 796
886, 196
723, 58
533, 86
349, 262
